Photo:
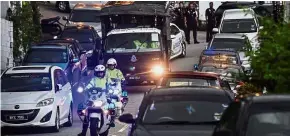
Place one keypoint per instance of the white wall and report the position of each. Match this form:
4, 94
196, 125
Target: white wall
6, 40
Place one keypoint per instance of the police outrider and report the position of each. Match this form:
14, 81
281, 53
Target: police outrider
97, 105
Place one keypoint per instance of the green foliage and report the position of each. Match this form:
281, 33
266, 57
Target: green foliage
248, 89
271, 62
26, 26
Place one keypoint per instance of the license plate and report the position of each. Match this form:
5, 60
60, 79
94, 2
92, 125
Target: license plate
135, 77
16, 117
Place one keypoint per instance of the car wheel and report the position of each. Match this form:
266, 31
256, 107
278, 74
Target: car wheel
183, 53
69, 123
62, 6
56, 127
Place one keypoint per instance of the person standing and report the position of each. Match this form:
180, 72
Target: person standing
191, 23
210, 21
180, 11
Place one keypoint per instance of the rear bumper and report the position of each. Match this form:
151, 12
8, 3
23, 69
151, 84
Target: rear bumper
141, 79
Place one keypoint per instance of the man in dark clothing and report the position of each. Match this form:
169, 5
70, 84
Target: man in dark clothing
191, 23
180, 11
210, 21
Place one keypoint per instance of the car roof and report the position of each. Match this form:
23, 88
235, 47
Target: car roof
229, 35
190, 73
217, 52
186, 91
49, 46
218, 65
268, 98
239, 14
30, 69
88, 6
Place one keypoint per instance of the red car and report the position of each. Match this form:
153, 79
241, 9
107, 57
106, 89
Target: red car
190, 78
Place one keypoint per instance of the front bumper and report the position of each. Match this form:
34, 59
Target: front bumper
35, 115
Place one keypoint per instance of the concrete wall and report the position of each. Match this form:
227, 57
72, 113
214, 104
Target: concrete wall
4, 6
6, 44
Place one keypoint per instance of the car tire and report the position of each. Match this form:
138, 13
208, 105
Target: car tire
69, 123
183, 52
56, 127
62, 6
106, 133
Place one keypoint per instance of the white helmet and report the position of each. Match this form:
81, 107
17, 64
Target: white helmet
112, 61
100, 68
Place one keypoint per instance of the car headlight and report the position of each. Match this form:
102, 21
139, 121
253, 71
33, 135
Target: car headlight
98, 103
45, 102
157, 70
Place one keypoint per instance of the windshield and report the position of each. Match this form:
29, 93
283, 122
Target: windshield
225, 59
191, 109
238, 26
82, 35
85, 16
228, 43
26, 82
45, 55
146, 41
222, 71
269, 120
191, 82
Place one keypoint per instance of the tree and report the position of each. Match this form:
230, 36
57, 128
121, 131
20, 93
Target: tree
26, 26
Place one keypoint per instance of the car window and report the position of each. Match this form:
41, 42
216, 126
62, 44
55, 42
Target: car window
216, 58
85, 16
58, 78
268, 119
230, 117
26, 82
82, 35
192, 109
174, 30
191, 82
239, 26
228, 43
51, 55
64, 78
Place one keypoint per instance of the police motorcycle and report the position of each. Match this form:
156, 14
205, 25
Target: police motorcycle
97, 110
118, 95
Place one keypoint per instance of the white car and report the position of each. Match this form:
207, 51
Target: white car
178, 47
36, 96
241, 21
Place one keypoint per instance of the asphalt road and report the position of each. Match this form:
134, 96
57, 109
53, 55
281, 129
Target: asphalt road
135, 96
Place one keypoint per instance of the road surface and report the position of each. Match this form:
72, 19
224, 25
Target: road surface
180, 64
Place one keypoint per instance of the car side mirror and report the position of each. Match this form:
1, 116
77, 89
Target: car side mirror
223, 133
215, 30
127, 118
58, 87
195, 67
65, 18
261, 27
75, 60
172, 36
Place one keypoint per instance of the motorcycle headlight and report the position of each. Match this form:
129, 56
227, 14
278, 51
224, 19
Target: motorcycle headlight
111, 91
98, 104
80, 89
157, 70
45, 102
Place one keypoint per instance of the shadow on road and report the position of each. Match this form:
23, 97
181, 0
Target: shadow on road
24, 130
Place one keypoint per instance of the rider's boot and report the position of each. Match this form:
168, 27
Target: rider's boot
112, 123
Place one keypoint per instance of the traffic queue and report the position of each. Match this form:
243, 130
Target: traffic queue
129, 50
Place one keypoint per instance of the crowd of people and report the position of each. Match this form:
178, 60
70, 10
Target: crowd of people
187, 20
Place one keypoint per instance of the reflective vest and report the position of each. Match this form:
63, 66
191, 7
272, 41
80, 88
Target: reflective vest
115, 73
98, 82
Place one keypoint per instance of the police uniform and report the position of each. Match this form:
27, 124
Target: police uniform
115, 73
209, 14
191, 23
180, 17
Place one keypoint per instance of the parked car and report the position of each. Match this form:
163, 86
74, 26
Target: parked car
237, 42
266, 115
241, 21
87, 14
55, 54
190, 78
225, 56
179, 111
178, 47
36, 96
